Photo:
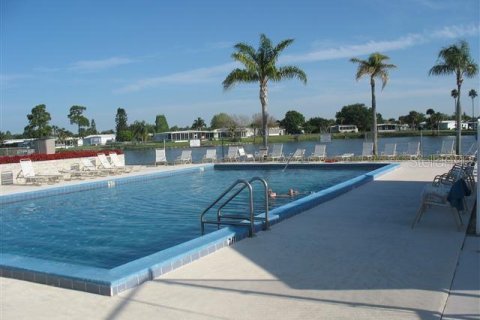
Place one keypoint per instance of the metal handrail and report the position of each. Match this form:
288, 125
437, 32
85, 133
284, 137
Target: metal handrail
265, 184
239, 181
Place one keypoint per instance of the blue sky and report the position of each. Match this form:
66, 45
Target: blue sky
170, 57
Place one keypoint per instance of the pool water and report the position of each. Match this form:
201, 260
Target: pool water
108, 227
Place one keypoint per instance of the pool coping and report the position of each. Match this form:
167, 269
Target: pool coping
110, 282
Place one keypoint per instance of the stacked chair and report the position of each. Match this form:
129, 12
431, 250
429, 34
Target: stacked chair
450, 190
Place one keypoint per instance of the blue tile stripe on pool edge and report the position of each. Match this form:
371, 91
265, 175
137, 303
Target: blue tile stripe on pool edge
113, 281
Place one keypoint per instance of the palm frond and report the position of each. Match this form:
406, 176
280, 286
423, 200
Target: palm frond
441, 69
281, 46
245, 49
290, 72
237, 76
246, 60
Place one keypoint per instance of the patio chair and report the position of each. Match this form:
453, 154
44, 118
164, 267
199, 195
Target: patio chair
319, 153
389, 151
325, 137
413, 150
105, 164
471, 153
298, 155
89, 166
277, 152
185, 157
76, 172
160, 157
28, 174
261, 154
367, 150
448, 190
117, 163
210, 155
232, 154
245, 156
447, 151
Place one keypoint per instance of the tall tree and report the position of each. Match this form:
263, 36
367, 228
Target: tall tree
198, 124
356, 114
221, 120
121, 127
473, 94
161, 124
260, 67
293, 122
38, 126
374, 67
140, 130
456, 60
93, 127
76, 117
319, 125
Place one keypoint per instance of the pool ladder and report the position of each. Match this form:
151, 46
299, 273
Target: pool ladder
238, 219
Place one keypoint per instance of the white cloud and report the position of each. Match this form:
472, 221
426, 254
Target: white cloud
200, 75
456, 32
97, 65
354, 50
404, 42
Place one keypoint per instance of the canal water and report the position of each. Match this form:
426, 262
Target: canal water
428, 146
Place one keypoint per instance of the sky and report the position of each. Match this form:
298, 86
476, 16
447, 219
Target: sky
170, 57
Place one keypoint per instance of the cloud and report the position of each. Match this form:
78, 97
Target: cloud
97, 65
354, 50
200, 75
9, 80
456, 32
404, 42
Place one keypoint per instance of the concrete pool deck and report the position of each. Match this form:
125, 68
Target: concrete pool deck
352, 257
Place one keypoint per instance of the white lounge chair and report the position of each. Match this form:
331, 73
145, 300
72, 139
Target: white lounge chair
245, 156
232, 154
447, 152
413, 150
185, 157
319, 153
28, 174
105, 164
298, 155
210, 155
389, 151
89, 166
117, 163
261, 154
277, 153
160, 157
471, 153
367, 150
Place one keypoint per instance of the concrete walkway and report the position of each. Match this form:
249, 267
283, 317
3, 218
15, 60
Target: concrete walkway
354, 257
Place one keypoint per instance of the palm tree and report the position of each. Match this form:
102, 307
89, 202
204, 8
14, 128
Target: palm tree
473, 94
454, 94
260, 66
375, 68
198, 124
456, 59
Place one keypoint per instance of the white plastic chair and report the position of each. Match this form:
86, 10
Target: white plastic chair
413, 150
298, 155
185, 157
390, 151
277, 152
210, 155
232, 154
117, 163
160, 157
28, 174
447, 151
367, 150
319, 153
245, 156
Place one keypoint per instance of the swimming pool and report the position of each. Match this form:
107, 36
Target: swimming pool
111, 228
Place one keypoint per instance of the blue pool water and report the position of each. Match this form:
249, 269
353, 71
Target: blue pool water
107, 227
